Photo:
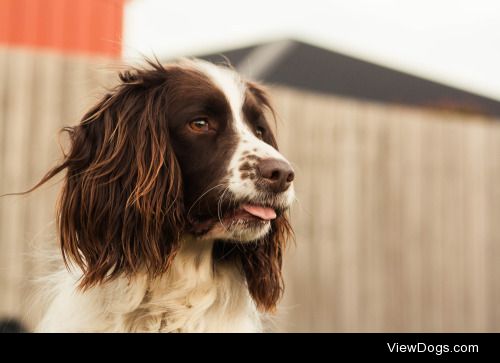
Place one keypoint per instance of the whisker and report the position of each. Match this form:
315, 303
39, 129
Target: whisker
219, 205
201, 196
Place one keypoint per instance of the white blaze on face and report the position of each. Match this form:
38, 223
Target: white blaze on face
234, 88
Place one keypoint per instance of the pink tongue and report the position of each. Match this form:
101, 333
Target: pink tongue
261, 212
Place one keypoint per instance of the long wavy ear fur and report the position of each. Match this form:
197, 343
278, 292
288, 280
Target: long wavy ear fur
261, 262
262, 265
121, 209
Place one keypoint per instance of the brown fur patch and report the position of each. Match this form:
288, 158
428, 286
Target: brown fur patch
245, 166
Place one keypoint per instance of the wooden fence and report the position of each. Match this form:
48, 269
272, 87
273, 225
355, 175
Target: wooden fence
397, 220
39, 93
398, 217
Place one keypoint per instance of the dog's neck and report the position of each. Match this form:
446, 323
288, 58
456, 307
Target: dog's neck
194, 258
194, 294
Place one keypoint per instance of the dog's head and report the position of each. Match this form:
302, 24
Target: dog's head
176, 150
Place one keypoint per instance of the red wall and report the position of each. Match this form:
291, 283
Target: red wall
92, 27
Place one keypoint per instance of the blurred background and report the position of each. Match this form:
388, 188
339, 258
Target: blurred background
389, 111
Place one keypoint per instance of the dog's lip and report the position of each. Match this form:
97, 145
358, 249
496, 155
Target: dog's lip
247, 211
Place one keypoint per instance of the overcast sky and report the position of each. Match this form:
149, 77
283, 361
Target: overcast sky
452, 41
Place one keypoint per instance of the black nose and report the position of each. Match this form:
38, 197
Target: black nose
276, 174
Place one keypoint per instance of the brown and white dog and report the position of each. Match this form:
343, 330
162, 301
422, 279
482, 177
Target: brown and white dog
172, 213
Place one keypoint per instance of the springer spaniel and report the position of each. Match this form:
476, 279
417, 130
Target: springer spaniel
172, 216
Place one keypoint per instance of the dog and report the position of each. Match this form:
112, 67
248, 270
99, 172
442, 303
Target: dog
172, 215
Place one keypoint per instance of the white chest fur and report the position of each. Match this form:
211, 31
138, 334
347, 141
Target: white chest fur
192, 297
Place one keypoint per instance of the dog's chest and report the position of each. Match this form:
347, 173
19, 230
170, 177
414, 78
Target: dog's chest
195, 298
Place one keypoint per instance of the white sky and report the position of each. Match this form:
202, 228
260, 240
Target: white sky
453, 41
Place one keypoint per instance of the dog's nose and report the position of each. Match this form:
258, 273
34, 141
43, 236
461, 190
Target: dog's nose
276, 174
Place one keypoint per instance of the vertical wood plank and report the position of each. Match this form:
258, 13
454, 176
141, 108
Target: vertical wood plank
20, 67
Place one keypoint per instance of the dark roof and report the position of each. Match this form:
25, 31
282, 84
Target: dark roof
304, 66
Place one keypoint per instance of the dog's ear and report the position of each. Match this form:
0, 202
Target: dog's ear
121, 205
262, 263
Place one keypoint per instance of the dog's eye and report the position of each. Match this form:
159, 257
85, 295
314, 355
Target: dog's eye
200, 125
259, 132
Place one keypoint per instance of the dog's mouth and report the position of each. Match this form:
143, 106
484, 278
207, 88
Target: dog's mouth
252, 212
246, 215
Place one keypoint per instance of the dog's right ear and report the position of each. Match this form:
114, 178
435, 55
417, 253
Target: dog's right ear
121, 206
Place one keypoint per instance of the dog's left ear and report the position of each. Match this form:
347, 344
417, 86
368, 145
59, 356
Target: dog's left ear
262, 263
121, 206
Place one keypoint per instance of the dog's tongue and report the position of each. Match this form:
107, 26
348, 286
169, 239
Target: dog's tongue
261, 212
